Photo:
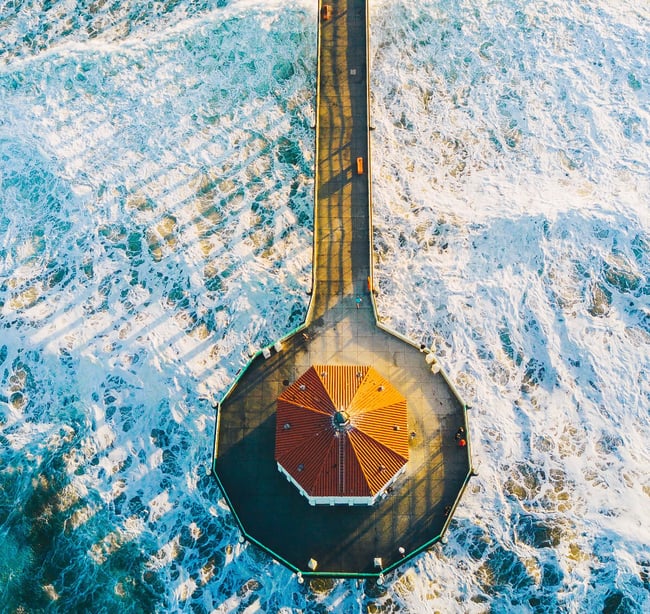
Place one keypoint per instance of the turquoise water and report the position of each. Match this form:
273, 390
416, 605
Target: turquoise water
156, 186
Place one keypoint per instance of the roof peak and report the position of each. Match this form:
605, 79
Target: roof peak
341, 420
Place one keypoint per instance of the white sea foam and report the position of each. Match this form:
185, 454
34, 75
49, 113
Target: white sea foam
156, 206
517, 204
155, 214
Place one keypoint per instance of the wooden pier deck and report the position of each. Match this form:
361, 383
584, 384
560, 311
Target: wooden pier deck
345, 541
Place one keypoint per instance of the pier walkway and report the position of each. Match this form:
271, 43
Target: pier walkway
344, 540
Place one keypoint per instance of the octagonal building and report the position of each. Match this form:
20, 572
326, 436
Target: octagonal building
341, 434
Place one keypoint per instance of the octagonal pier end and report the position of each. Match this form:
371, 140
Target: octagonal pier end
342, 449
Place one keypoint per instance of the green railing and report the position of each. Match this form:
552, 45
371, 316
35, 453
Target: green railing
314, 258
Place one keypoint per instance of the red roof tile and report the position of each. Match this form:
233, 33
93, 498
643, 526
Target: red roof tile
356, 460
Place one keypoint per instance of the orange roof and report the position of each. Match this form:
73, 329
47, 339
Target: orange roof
341, 431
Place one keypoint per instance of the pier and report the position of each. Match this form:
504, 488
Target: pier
342, 329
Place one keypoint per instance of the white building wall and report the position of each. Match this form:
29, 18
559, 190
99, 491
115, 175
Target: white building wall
340, 500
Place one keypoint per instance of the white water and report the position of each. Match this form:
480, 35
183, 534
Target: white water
155, 201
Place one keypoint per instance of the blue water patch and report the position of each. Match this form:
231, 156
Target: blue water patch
156, 194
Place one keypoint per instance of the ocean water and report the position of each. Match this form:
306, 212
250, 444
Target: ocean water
156, 187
